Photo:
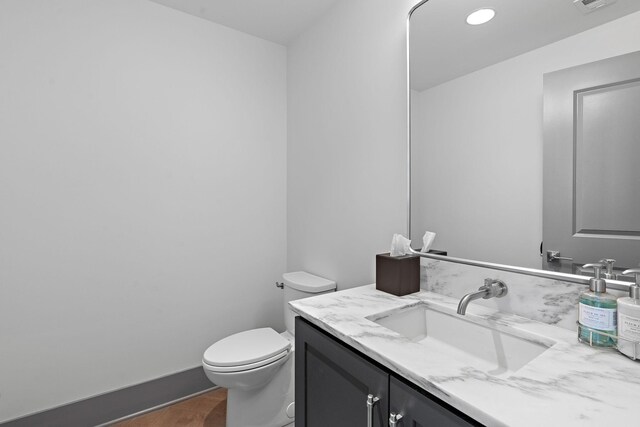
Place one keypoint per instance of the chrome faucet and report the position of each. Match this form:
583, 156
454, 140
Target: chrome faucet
492, 288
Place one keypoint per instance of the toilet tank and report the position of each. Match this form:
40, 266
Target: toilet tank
298, 285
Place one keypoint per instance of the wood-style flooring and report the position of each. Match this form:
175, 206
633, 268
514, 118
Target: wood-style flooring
206, 410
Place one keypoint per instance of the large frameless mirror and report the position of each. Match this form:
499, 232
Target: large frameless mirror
521, 149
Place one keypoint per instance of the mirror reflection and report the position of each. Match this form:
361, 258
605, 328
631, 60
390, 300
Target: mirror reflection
480, 119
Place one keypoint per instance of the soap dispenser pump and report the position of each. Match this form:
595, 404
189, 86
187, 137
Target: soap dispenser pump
629, 319
597, 310
608, 265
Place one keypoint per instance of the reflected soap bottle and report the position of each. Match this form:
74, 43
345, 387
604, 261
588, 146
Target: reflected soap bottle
597, 311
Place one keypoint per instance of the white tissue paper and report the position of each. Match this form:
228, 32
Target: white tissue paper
400, 245
427, 241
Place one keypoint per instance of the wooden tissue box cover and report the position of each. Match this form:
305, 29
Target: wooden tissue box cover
398, 275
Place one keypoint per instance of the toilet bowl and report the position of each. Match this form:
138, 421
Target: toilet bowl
257, 366
248, 359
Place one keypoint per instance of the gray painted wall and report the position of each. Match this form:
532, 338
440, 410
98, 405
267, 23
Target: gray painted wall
346, 161
142, 152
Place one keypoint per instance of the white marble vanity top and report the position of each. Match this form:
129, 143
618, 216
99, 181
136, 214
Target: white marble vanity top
570, 384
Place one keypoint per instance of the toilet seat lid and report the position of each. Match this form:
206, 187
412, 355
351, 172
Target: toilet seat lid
246, 347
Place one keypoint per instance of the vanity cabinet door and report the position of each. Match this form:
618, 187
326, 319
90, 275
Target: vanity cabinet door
420, 409
332, 383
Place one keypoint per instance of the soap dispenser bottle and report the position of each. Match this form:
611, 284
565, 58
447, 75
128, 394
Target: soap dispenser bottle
597, 311
629, 319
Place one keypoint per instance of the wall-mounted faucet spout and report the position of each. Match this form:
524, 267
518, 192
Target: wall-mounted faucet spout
464, 302
492, 288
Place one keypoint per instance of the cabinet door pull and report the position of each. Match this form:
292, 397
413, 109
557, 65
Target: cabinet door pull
393, 419
371, 401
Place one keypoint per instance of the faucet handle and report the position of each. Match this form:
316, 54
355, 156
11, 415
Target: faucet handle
495, 288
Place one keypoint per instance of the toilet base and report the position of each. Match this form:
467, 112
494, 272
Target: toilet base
265, 406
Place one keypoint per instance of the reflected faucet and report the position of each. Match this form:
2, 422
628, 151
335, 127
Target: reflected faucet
492, 288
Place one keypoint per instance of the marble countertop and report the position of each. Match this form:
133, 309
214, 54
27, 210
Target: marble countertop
568, 384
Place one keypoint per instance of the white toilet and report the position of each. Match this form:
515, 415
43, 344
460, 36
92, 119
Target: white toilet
256, 366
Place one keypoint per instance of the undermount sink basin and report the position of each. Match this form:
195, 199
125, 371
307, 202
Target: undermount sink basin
471, 344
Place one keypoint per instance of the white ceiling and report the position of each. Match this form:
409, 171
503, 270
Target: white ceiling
279, 21
443, 46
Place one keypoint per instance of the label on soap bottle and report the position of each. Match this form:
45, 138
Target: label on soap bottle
629, 327
603, 319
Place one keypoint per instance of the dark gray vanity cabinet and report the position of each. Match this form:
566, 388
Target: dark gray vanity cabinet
418, 409
333, 384
339, 387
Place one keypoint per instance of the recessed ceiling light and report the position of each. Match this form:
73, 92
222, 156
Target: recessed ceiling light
481, 16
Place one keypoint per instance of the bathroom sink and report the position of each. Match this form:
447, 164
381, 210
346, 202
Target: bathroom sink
479, 345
